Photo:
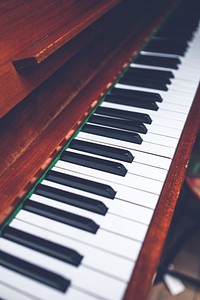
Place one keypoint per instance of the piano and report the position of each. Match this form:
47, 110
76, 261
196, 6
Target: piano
99, 107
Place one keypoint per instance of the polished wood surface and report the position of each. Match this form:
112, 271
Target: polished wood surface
32, 32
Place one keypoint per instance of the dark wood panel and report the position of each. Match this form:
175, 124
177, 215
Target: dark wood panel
63, 20
53, 23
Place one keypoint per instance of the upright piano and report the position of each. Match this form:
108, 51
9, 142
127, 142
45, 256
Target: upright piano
99, 107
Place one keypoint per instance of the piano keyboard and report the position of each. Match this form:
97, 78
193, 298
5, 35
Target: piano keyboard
79, 234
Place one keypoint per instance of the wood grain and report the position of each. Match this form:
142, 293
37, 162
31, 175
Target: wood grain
53, 23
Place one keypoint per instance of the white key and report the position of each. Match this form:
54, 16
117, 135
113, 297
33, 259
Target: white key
122, 207
155, 149
165, 105
109, 222
108, 241
82, 278
160, 114
130, 180
145, 158
28, 286
134, 167
123, 192
10, 292
153, 138
94, 258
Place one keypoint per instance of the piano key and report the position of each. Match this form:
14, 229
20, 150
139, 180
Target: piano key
71, 199
84, 279
155, 137
140, 168
118, 123
131, 180
98, 259
182, 100
178, 106
164, 129
146, 147
113, 133
140, 157
166, 45
171, 63
133, 73
142, 103
50, 248
106, 151
82, 184
112, 223
181, 75
144, 82
10, 292
21, 285
123, 193
167, 75
23, 289
94, 163
173, 118
60, 216
139, 117
181, 97
131, 208
30, 270
171, 130
137, 95
105, 240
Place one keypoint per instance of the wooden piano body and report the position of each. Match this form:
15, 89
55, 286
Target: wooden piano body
58, 58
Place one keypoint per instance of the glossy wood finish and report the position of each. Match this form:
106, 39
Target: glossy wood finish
58, 29
31, 32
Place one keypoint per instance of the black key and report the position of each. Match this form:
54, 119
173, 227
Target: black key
94, 163
61, 216
124, 114
102, 150
170, 32
142, 103
43, 246
118, 123
156, 74
146, 77
81, 184
71, 199
166, 45
166, 62
34, 272
144, 82
113, 133
137, 95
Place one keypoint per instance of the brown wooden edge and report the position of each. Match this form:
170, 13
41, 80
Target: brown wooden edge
51, 43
